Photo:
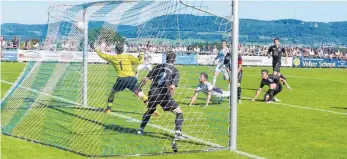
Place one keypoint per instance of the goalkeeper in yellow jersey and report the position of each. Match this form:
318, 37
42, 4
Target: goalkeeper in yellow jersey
126, 77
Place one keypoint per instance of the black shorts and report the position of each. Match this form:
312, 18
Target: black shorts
276, 66
163, 97
125, 82
277, 90
239, 77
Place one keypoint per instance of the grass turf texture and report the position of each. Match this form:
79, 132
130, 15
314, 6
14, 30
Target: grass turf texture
269, 130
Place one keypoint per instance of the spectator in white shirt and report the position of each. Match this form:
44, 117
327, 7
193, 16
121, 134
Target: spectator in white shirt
35, 45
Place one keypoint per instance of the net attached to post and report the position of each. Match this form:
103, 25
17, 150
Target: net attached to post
45, 103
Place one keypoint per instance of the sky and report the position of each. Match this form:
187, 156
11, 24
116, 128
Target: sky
35, 12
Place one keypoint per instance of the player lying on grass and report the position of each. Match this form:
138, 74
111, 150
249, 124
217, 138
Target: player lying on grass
164, 79
274, 83
213, 93
126, 77
219, 60
146, 64
227, 61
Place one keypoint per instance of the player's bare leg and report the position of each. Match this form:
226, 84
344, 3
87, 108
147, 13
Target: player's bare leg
214, 80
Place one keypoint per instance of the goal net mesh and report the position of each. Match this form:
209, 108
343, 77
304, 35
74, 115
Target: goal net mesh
44, 105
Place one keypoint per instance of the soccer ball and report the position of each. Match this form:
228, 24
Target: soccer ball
80, 25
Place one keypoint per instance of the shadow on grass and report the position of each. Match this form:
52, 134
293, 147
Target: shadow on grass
340, 108
118, 128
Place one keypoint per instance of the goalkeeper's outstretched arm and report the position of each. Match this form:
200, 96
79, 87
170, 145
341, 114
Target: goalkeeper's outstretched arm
135, 60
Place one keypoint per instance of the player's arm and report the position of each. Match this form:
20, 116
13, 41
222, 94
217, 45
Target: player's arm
269, 52
257, 94
192, 101
135, 60
175, 81
103, 55
208, 99
147, 78
240, 64
258, 91
285, 82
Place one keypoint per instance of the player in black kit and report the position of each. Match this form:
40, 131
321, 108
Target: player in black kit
227, 61
274, 83
164, 79
277, 52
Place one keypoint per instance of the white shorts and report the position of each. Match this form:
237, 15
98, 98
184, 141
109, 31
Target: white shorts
148, 67
220, 68
221, 95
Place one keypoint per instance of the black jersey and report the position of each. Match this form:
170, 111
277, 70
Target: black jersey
227, 61
277, 52
163, 75
271, 79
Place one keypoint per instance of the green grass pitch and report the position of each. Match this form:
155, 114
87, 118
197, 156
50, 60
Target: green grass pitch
309, 122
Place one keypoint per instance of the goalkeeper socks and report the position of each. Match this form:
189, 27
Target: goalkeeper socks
238, 92
214, 80
144, 98
179, 121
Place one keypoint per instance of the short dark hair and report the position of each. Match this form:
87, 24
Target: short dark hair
224, 41
170, 57
267, 72
119, 48
204, 74
276, 39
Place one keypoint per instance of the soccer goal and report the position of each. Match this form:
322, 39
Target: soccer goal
59, 99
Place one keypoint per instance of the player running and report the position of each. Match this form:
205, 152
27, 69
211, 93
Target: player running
126, 77
274, 84
277, 52
146, 64
213, 93
220, 63
227, 61
164, 79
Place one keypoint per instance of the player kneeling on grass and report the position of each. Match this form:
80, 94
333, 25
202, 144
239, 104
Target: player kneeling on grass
213, 93
164, 79
126, 77
274, 82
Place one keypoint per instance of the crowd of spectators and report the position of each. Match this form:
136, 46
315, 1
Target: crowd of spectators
9, 44
208, 49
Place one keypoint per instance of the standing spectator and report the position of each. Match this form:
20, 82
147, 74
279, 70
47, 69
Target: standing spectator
215, 50
15, 42
35, 45
2, 43
27, 45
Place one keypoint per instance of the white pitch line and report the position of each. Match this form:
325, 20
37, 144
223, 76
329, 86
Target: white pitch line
303, 107
138, 121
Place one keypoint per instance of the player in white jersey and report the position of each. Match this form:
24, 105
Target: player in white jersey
146, 63
219, 60
214, 94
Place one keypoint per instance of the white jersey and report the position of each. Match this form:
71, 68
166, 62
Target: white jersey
216, 92
147, 59
221, 54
